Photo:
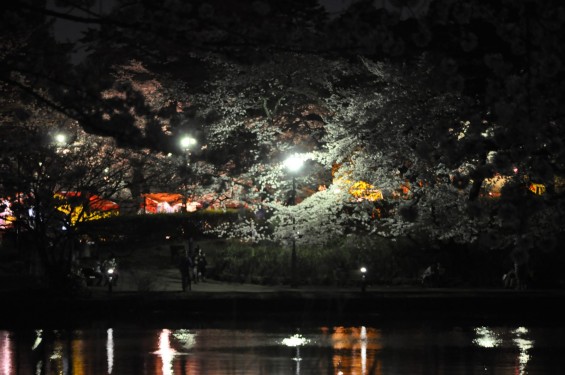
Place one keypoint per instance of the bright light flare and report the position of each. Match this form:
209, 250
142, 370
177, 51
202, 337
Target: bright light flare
294, 162
296, 340
110, 349
166, 352
60, 138
486, 338
187, 142
6, 353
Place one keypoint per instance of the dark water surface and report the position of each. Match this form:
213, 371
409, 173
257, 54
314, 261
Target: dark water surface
266, 347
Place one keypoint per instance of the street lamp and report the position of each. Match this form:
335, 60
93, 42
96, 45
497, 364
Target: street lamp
363, 279
61, 138
60, 141
293, 164
186, 143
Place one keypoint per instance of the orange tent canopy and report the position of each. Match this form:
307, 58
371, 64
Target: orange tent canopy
95, 202
164, 197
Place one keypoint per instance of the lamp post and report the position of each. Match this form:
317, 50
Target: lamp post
293, 164
363, 279
186, 143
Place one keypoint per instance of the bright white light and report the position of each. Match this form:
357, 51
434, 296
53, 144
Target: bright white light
294, 162
38, 339
486, 338
296, 340
187, 142
524, 345
363, 270
110, 350
166, 352
61, 138
187, 338
7, 353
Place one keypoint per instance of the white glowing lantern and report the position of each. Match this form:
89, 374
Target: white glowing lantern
187, 142
61, 138
293, 163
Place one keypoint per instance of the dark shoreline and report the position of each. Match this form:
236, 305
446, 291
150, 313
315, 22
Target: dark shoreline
505, 307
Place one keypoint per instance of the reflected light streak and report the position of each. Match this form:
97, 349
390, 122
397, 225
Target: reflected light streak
6, 353
363, 337
77, 356
166, 352
57, 358
296, 340
486, 338
57, 351
297, 359
110, 349
187, 338
38, 338
523, 345
363, 343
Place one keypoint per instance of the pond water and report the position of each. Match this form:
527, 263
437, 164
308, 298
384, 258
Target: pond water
389, 348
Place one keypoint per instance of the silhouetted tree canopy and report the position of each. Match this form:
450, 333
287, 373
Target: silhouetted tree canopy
430, 102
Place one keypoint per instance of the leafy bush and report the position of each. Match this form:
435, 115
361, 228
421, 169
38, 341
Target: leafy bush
337, 265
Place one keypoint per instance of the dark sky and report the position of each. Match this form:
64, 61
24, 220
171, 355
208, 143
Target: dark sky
65, 30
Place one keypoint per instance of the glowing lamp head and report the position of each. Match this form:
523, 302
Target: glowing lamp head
187, 142
363, 270
61, 138
293, 163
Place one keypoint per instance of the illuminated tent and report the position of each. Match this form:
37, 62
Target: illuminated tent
360, 190
6, 216
96, 208
166, 203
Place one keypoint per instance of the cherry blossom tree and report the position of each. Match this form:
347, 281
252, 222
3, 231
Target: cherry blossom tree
54, 176
416, 105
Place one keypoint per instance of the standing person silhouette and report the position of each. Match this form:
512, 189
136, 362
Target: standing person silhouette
185, 267
200, 264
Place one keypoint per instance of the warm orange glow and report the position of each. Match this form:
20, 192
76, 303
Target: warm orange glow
7, 217
77, 357
494, 185
365, 191
538, 189
405, 188
360, 190
162, 203
94, 209
362, 340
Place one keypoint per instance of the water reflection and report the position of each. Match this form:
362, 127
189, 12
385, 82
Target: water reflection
166, 352
355, 349
524, 344
110, 349
6, 352
296, 341
359, 350
492, 338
